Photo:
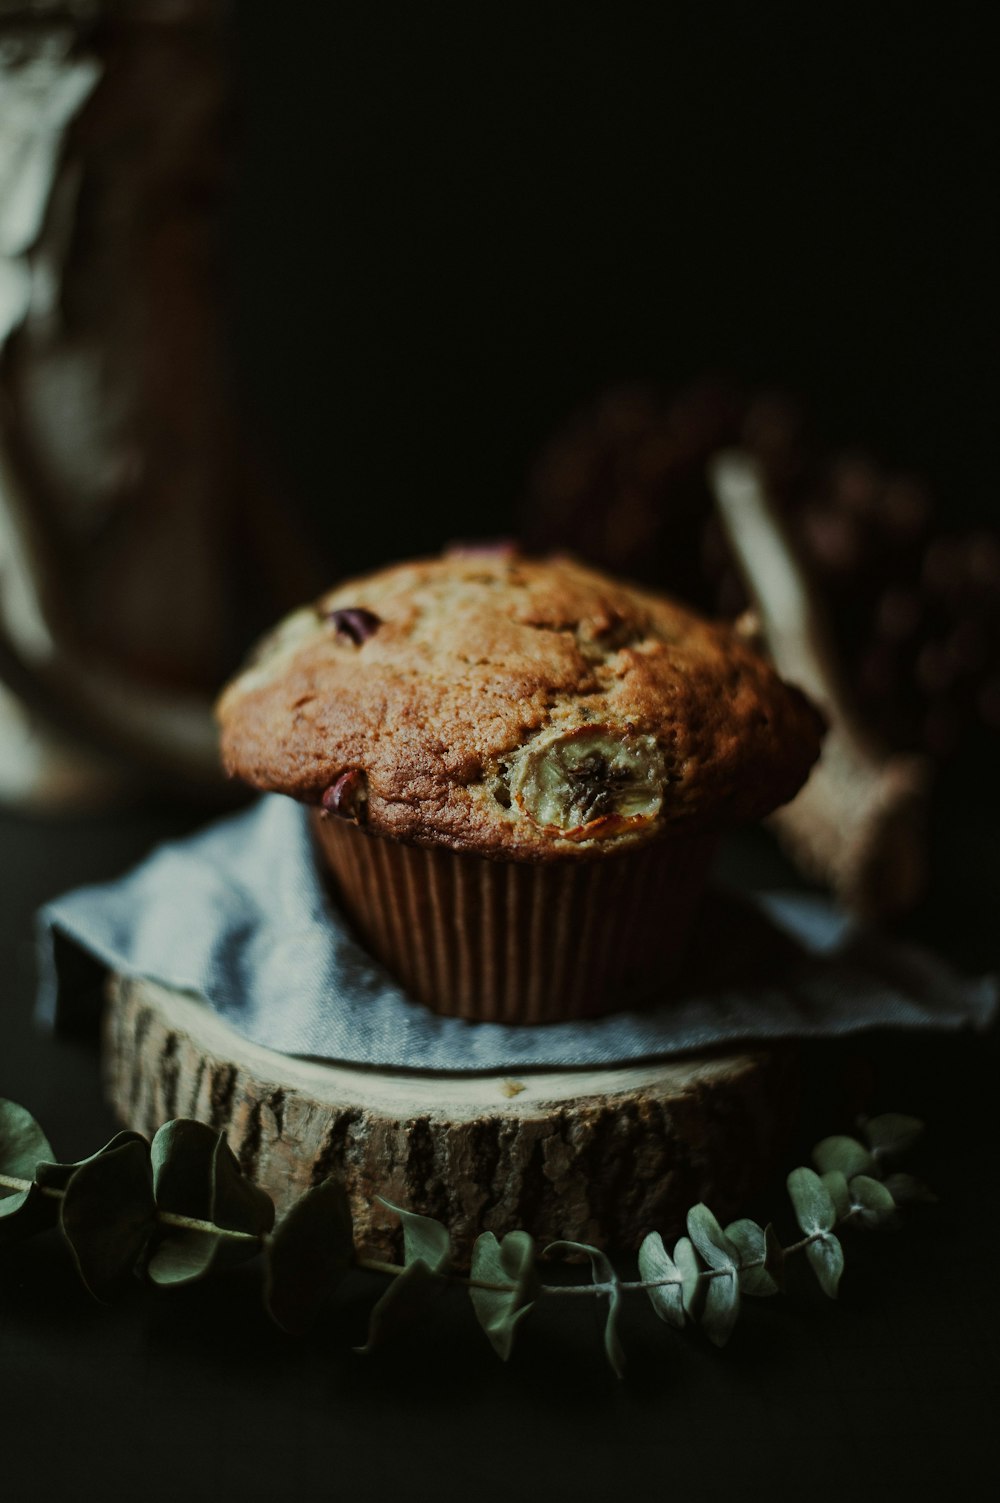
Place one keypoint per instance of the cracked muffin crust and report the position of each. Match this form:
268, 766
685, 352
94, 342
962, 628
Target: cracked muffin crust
519, 709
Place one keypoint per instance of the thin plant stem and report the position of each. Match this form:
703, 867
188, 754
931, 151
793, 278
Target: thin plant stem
168, 1218
393, 1270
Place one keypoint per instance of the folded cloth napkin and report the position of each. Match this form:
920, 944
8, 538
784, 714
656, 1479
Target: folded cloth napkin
237, 914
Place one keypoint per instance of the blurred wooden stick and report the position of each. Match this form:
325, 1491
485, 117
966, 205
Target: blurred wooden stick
858, 824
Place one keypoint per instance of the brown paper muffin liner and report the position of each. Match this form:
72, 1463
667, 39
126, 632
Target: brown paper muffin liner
518, 942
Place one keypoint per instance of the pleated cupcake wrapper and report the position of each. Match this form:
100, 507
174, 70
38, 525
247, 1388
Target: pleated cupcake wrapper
518, 942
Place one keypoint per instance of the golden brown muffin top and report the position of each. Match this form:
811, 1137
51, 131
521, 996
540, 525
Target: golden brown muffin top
518, 708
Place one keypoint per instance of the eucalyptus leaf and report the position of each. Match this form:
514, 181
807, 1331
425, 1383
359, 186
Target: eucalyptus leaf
107, 1216
606, 1280
722, 1291
510, 1263
182, 1253
182, 1256
836, 1185
655, 1263
709, 1238
892, 1133
405, 1298
196, 1176
237, 1204
426, 1258
182, 1153
692, 1281
751, 1246
871, 1201
845, 1154
826, 1258
307, 1255
424, 1239
722, 1306
811, 1201
29, 1212
22, 1144
57, 1176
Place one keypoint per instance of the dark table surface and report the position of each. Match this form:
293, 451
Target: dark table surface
890, 1391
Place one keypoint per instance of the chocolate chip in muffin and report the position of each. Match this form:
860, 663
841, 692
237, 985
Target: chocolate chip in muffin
347, 796
355, 623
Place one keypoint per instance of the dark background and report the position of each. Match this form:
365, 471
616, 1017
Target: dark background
456, 223
453, 224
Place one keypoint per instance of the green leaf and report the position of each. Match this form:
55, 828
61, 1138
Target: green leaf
814, 1209
826, 1258
891, 1134
426, 1258
307, 1255
722, 1291
836, 1185
405, 1298
22, 1144
656, 1263
424, 1239
709, 1238
196, 1175
107, 1216
751, 1246
693, 1284
845, 1154
181, 1154
57, 1176
606, 1280
722, 1307
905, 1189
40, 1211
510, 1263
181, 1256
237, 1204
871, 1201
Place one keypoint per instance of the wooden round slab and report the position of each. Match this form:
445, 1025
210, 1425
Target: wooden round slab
600, 1156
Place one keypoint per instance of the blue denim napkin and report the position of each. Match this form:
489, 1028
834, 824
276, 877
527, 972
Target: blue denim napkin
237, 915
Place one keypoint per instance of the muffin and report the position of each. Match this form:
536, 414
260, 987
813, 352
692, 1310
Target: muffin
517, 770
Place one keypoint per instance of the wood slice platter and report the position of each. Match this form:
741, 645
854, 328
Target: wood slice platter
601, 1156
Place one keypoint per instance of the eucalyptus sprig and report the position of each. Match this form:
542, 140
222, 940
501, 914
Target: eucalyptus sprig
180, 1207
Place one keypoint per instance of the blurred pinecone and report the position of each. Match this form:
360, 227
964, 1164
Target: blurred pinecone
916, 611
